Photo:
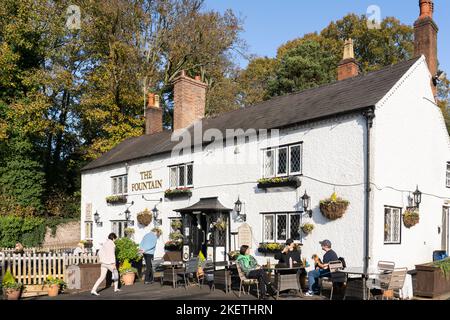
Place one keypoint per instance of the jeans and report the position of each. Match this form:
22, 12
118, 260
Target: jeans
262, 278
314, 275
148, 267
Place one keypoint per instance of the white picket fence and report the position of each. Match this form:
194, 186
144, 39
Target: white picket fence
34, 268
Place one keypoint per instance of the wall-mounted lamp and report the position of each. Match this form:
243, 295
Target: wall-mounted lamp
238, 209
306, 202
97, 219
417, 197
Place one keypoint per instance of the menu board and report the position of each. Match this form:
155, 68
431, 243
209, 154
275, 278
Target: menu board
245, 235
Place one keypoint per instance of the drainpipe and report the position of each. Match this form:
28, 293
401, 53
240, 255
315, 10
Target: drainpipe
369, 115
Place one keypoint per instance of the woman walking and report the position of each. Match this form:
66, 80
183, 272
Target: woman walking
107, 257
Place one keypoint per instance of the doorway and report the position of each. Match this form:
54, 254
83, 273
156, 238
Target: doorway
199, 234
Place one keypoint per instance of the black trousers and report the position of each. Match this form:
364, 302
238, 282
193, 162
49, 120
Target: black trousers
262, 278
148, 267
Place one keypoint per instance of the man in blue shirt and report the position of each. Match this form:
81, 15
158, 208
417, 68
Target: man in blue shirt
321, 269
147, 247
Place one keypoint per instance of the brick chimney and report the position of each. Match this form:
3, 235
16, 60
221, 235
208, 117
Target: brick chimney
425, 37
189, 101
348, 67
153, 115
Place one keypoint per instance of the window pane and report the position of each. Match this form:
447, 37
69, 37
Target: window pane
190, 174
181, 176
387, 225
295, 226
173, 177
295, 159
125, 184
114, 186
448, 175
268, 228
120, 185
396, 225
282, 161
269, 163
281, 227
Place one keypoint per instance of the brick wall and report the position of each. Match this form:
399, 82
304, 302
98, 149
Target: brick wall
66, 235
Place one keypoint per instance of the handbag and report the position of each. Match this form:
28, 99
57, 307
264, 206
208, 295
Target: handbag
115, 275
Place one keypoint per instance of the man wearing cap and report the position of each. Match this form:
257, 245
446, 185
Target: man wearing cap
322, 269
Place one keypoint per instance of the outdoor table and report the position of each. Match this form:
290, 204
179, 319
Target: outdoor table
364, 275
287, 278
172, 265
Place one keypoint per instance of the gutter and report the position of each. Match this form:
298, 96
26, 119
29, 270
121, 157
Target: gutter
369, 114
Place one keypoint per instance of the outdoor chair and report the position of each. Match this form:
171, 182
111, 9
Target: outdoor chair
190, 268
158, 270
335, 277
208, 273
246, 282
377, 282
395, 283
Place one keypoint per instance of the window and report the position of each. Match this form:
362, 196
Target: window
88, 225
282, 161
278, 227
119, 185
448, 174
392, 225
118, 227
181, 176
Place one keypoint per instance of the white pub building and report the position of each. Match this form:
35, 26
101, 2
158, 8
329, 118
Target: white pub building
377, 140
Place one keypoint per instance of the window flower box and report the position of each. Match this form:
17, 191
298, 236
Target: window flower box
290, 182
173, 245
177, 193
270, 248
334, 207
113, 200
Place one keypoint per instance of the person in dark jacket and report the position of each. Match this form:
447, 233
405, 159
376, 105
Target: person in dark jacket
289, 252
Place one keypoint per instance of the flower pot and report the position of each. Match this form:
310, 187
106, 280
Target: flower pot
12, 294
53, 290
128, 278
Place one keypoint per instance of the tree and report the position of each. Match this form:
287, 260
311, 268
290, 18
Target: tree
444, 100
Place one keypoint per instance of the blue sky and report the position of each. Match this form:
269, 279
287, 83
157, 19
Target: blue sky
270, 23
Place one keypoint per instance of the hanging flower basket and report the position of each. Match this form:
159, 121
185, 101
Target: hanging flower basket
129, 232
176, 224
334, 207
177, 193
220, 225
307, 228
411, 217
116, 200
291, 182
145, 217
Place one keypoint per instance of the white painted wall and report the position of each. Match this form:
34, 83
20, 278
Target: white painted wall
332, 151
410, 147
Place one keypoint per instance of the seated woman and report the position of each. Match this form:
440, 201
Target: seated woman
252, 270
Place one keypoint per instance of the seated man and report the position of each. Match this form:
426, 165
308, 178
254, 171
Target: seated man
321, 269
252, 270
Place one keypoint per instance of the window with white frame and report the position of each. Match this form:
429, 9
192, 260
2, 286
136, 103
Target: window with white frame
118, 227
181, 176
392, 225
88, 230
119, 185
278, 227
448, 174
282, 161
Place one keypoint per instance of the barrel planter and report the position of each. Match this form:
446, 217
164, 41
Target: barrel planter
430, 281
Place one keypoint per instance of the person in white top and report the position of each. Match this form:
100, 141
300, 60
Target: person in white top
79, 249
107, 257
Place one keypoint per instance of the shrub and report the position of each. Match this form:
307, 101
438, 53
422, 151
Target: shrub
444, 265
30, 231
126, 267
9, 282
127, 249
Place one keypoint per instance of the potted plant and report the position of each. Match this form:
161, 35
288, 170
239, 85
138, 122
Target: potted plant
54, 285
411, 217
176, 224
334, 207
177, 193
129, 232
11, 288
307, 228
433, 279
145, 217
173, 245
127, 251
291, 182
158, 231
119, 199
127, 272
